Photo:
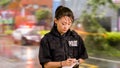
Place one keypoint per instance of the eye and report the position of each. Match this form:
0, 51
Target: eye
63, 23
69, 24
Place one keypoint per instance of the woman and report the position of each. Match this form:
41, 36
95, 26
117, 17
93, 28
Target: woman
61, 46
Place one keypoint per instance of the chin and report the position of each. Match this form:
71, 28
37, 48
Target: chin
64, 32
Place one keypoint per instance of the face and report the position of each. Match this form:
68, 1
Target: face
63, 24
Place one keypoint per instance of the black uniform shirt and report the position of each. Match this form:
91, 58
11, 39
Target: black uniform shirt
56, 47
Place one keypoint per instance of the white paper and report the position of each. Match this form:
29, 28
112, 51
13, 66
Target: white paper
71, 65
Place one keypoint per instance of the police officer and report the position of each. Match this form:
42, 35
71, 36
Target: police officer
61, 46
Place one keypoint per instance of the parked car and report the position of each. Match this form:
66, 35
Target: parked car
31, 38
26, 36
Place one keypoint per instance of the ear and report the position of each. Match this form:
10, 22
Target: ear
55, 20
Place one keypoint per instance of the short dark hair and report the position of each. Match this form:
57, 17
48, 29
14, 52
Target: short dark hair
63, 11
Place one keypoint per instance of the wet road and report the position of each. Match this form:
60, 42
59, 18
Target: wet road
102, 63
19, 57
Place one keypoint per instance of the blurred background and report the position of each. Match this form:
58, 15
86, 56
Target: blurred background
24, 22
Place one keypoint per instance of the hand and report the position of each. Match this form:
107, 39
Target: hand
68, 62
81, 60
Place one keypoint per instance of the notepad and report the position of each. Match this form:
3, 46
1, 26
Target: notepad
72, 66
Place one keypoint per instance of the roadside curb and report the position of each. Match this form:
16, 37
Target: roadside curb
106, 60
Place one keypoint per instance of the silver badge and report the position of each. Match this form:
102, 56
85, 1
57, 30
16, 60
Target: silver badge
72, 43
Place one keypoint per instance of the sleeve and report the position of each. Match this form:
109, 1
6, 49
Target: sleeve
44, 52
82, 49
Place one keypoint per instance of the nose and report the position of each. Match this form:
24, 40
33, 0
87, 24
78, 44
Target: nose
66, 27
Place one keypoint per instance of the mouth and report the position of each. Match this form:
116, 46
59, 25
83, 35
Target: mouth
64, 30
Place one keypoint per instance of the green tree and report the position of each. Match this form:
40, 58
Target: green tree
44, 16
91, 24
4, 3
90, 17
97, 45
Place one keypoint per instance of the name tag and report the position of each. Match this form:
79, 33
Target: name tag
73, 43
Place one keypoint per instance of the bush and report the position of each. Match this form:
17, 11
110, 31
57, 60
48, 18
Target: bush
96, 42
99, 46
113, 38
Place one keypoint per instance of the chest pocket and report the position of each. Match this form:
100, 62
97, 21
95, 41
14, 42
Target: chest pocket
73, 49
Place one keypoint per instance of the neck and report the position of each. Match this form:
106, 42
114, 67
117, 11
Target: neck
61, 33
